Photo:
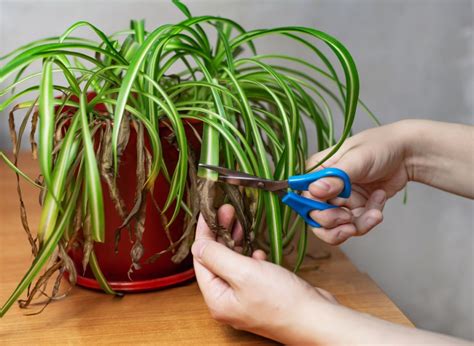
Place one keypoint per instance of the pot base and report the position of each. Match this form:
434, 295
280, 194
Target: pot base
139, 286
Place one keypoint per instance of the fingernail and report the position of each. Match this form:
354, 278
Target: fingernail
379, 197
198, 248
321, 184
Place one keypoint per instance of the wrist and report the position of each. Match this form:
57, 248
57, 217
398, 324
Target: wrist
414, 141
313, 323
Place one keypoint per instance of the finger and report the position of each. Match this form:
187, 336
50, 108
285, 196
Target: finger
221, 261
356, 200
259, 255
331, 218
377, 200
238, 234
368, 220
326, 188
212, 287
203, 232
337, 235
226, 218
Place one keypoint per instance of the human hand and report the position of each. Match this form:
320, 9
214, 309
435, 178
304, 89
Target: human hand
263, 298
251, 294
375, 162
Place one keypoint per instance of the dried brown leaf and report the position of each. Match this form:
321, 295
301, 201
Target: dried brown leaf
207, 200
11, 125
88, 242
242, 212
138, 250
42, 281
34, 124
193, 202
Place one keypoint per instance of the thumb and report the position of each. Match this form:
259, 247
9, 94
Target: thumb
331, 187
220, 260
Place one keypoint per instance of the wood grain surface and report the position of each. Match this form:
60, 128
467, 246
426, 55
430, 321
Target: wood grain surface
171, 316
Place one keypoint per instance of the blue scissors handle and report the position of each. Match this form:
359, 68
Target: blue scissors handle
304, 206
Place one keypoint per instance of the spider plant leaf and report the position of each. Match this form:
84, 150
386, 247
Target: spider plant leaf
127, 84
99, 276
51, 207
302, 244
43, 41
92, 176
225, 43
46, 122
18, 171
182, 7
347, 64
138, 27
271, 201
46, 250
116, 55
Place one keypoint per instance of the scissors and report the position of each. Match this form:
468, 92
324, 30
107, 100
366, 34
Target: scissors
303, 206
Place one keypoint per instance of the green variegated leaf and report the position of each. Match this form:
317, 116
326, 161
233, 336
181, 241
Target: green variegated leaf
46, 121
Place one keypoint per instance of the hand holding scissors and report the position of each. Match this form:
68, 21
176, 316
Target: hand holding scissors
302, 205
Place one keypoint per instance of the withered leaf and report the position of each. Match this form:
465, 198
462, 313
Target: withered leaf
207, 196
88, 242
34, 124
193, 202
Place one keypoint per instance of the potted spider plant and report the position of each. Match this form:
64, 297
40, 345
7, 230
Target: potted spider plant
122, 122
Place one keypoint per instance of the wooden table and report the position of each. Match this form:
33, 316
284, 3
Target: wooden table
177, 315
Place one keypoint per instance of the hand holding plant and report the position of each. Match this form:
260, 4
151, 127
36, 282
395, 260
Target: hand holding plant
263, 298
250, 293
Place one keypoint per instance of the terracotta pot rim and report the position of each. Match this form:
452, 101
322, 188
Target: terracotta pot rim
139, 285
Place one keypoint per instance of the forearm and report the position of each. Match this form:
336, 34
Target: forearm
439, 154
333, 324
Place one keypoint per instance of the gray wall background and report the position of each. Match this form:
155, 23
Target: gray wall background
415, 59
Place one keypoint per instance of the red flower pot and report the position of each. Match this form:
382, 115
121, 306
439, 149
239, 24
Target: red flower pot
115, 266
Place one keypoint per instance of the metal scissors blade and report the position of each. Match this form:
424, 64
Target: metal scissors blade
232, 177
